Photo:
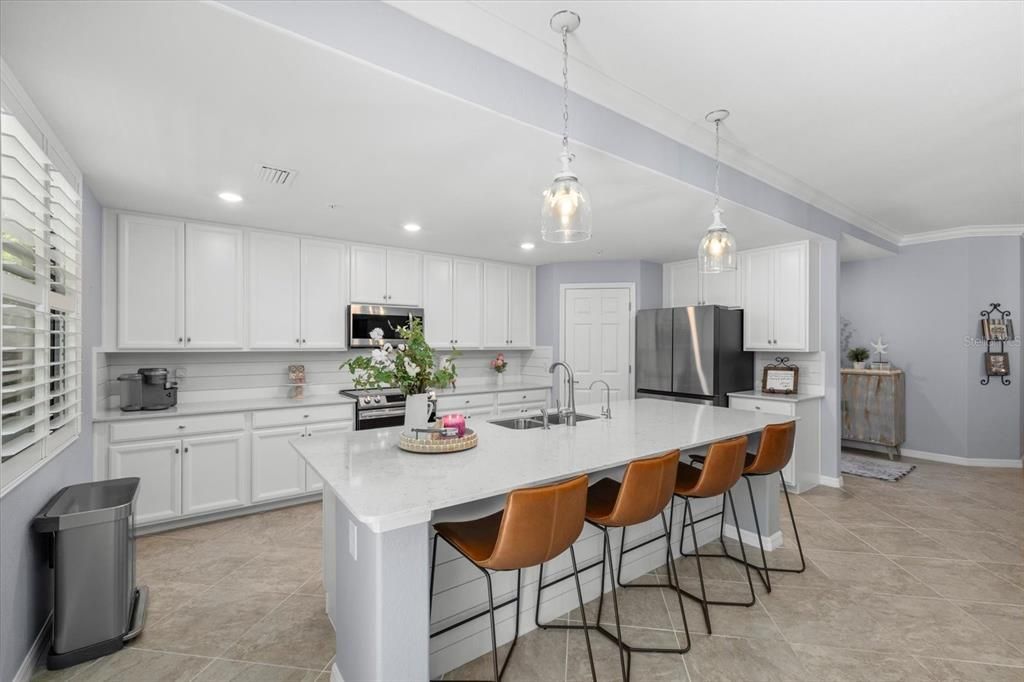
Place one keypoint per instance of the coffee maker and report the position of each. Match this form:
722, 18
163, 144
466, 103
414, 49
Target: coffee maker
147, 389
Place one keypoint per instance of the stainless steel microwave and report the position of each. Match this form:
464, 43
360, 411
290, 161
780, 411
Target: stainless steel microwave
375, 325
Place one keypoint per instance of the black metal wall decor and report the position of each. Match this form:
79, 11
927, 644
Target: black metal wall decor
996, 327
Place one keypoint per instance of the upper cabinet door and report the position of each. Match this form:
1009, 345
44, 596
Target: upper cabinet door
438, 287
214, 287
757, 299
150, 283
324, 294
405, 278
468, 301
273, 290
790, 297
496, 293
684, 285
369, 274
721, 288
520, 306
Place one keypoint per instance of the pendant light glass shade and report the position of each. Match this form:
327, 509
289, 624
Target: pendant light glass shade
717, 252
565, 213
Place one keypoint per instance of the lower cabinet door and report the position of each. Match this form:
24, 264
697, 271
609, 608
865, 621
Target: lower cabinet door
518, 409
277, 470
215, 473
158, 466
313, 481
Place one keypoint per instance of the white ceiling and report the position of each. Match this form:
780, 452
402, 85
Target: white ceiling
901, 117
163, 105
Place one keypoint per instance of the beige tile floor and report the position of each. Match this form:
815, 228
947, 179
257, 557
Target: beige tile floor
922, 579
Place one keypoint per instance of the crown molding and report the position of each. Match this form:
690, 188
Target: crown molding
961, 232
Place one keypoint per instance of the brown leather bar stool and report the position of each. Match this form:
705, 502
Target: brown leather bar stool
723, 466
773, 454
536, 525
646, 489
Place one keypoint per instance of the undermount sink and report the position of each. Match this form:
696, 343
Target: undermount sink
537, 422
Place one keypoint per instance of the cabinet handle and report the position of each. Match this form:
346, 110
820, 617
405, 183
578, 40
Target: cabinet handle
181, 426
177, 451
297, 341
188, 339
181, 340
303, 340
305, 416
186, 448
757, 407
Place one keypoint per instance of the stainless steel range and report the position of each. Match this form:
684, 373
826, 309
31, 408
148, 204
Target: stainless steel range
377, 408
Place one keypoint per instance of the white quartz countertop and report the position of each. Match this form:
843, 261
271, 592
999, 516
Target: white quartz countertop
781, 397
387, 488
114, 414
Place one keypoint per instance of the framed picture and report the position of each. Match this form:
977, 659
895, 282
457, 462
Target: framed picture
776, 379
997, 364
997, 331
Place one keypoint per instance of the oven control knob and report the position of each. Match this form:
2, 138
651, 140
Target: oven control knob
377, 399
366, 400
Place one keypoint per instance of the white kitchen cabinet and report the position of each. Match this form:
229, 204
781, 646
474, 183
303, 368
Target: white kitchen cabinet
520, 307
214, 287
150, 283
439, 301
214, 473
277, 470
682, 285
158, 466
452, 302
508, 306
273, 290
496, 300
803, 471
780, 300
369, 281
685, 286
313, 481
757, 299
324, 294
405, 277
386, 276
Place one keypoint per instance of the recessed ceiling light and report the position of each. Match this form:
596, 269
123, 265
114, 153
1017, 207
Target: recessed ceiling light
230, 197
411, 227
527, 246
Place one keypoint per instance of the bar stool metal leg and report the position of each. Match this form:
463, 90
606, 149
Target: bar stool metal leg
583, 615
765, 578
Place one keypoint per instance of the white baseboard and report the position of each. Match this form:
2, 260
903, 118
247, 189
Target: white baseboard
771, 542
831, 481
965, 461
39, 647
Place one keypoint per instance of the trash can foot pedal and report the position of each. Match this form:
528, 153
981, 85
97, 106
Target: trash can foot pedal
138, 614
55, 661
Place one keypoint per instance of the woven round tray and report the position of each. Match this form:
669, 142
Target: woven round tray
437, 446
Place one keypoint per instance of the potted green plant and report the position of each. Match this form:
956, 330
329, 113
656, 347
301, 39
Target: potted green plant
410, 367
858, 356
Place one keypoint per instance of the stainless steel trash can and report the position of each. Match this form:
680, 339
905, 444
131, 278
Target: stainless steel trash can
96, 604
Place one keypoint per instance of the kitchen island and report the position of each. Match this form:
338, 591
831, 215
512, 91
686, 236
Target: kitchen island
379, 503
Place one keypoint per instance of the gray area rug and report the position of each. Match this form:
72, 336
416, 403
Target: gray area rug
871, 467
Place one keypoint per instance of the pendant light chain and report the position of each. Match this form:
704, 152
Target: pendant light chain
565, 90
718, 160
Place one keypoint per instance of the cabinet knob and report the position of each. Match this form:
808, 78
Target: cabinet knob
177, 451
297, 341
186, 448
180, 340
181, 426
188, 339
305, 416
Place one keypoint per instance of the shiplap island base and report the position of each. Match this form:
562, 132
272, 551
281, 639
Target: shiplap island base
379, 503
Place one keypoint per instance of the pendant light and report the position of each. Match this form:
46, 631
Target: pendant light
717, 251
565, 211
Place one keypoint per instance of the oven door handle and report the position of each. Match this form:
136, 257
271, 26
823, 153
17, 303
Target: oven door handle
381, 414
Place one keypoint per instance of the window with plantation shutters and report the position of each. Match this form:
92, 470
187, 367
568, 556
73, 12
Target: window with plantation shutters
41, 292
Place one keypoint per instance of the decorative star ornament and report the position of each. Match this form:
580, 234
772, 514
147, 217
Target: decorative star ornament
880, 348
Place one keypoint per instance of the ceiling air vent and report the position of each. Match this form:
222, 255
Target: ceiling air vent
272, 175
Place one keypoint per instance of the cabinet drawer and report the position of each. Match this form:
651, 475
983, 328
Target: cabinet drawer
769, 406
514, 397
465, 402
301, 415
169, 427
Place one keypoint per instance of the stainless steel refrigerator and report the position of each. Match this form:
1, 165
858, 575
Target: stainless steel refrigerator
692, 354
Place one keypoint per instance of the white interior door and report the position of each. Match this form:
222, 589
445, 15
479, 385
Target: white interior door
324, 294
596, 340
273, 290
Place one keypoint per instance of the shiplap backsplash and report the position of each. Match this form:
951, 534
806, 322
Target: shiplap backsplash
812, 369
252, 375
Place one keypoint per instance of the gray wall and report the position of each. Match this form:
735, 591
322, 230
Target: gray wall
25, 600
645, 275
925, 302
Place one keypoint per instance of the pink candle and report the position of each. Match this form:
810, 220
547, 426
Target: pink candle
455, 421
